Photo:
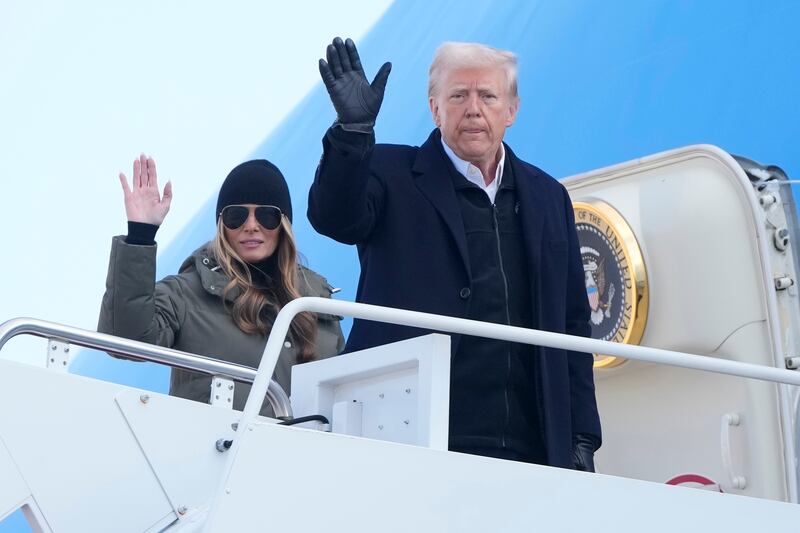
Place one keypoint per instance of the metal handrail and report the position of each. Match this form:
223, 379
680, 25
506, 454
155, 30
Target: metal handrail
146, 352
493, 331
473, 328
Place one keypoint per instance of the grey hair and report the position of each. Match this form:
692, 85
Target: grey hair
451, 55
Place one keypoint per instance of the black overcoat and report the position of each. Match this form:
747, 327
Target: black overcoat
397, 203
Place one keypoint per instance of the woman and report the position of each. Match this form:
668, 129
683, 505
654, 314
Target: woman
225, 299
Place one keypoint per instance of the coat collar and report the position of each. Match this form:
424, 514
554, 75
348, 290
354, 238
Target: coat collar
212, 277
214, 280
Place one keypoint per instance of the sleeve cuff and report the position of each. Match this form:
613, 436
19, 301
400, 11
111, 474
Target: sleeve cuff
350, 142
141, 233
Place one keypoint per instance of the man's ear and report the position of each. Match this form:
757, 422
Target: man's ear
512, 111
434, 111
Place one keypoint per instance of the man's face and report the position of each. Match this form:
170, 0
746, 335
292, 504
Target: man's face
472, 109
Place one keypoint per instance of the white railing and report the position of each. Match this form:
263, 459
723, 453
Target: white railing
492, 331
467, 327
146, 352
264, 386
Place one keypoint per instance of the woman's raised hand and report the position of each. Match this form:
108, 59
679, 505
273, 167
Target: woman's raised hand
143, 203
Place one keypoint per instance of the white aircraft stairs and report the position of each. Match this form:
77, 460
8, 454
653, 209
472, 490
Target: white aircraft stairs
715, 242
83, 455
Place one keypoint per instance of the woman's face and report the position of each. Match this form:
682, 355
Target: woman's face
251, 240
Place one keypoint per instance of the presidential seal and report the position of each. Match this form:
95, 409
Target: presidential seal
615, 276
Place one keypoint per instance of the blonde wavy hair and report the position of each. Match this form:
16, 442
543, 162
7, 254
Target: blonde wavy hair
253, 311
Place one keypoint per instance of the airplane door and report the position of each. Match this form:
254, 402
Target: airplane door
681, 252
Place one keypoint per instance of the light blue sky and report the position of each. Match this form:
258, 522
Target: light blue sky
87, 85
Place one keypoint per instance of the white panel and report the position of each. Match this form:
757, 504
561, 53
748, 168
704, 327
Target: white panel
342, 483
662, 422
348, 418
403, 390
188, 469
13, 490
75, 451
389, 407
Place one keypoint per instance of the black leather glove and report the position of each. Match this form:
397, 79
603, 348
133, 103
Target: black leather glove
356, 101
583, 448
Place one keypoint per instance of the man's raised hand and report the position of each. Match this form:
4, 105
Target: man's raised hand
143, 202
356, 101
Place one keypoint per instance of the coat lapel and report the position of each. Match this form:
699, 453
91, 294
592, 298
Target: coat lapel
532, 198
432, 176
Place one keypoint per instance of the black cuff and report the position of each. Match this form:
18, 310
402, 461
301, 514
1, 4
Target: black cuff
367, 128
141, 234
350, 142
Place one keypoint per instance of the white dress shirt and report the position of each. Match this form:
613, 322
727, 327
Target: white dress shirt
474, 174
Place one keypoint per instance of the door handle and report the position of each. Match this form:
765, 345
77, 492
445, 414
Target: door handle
729, 420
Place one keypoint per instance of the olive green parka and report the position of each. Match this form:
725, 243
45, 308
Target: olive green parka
187, 312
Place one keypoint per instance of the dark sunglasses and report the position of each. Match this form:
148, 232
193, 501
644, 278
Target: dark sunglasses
269, 216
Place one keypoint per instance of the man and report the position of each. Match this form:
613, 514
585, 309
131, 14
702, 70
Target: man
460, 226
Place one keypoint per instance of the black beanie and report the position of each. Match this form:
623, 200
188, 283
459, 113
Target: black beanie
255, 182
